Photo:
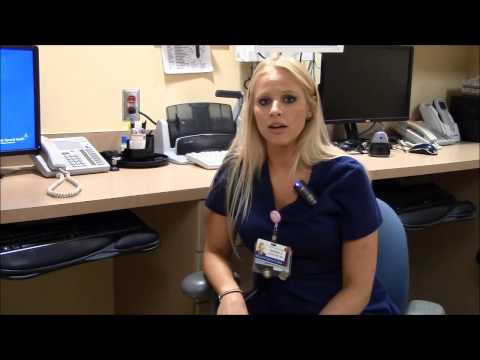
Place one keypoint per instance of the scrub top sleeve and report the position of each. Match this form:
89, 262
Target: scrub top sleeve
360, 212
216, 200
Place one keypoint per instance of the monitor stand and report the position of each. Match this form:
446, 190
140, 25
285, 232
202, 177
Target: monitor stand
352, 140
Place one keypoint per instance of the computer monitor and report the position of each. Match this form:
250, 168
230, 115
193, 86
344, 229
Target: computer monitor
366, 83
19, 100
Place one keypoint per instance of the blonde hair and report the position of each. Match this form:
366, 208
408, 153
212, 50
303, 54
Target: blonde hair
247, 152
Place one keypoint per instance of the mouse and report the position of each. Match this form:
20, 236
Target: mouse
426, 149
346, 145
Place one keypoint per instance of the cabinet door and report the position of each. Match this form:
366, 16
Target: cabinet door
150, 283
85, 289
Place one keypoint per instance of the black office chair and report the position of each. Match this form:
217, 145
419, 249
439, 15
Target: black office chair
392, 270
200, 126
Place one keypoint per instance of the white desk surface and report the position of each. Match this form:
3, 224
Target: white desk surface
23, 196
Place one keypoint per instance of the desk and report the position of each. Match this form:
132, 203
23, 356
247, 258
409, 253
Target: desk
170, 200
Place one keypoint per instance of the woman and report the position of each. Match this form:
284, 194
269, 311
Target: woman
283, 139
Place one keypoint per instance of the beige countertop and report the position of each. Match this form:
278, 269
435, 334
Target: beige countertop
23, 196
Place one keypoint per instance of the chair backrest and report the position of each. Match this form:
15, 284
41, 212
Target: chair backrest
199, 118
392, 263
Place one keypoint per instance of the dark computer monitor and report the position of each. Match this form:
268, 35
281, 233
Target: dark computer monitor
366, 83
19, 100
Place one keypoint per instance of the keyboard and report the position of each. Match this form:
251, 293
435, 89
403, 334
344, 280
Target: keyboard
207, 159
31, 248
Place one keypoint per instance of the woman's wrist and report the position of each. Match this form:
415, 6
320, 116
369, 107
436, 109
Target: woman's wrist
229, 292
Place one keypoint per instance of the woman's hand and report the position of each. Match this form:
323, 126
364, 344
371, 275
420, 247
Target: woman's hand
232, 304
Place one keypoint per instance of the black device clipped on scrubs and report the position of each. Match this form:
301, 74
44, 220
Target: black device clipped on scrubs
302, 190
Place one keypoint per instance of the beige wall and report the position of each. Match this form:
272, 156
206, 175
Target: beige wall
80, 86
439, 70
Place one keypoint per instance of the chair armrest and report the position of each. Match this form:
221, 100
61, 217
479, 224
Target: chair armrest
421, 307
196, 286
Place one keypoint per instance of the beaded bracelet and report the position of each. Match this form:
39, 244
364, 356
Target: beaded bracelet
229, 292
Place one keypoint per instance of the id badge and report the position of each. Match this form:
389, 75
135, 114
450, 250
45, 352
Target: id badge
272, 259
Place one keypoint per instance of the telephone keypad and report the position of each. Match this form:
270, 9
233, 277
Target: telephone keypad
74, 160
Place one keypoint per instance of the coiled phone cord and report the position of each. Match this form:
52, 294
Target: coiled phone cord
63, 176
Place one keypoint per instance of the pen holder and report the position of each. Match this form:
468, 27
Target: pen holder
140, 154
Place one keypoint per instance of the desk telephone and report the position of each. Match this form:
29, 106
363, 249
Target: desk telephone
63, 157
438, 127
438, 119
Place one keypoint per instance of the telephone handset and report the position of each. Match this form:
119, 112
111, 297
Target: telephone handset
63, 157
414, 133
439, 120
51, 157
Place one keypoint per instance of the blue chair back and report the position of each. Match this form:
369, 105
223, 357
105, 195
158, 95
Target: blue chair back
392, 263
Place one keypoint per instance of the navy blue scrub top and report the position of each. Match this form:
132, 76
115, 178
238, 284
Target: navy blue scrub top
346, 210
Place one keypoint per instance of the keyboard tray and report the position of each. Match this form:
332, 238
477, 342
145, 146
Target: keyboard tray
33, 248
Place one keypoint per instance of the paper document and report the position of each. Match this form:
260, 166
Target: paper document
186, 59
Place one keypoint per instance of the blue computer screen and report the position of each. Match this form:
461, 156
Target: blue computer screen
19, 120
